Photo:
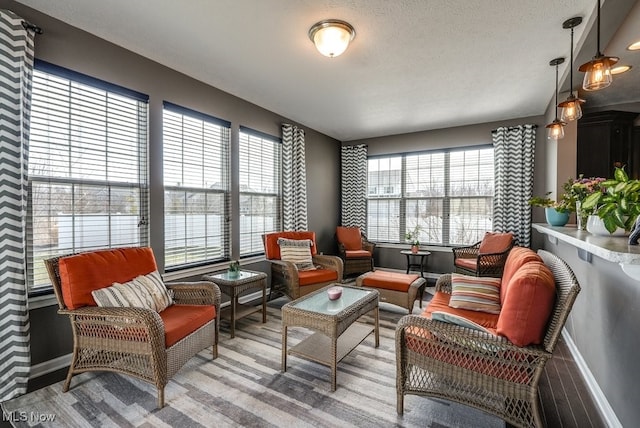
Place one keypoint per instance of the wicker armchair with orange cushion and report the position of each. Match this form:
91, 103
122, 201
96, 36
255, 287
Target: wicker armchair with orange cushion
355, 250
295, 278
125, 319
488, 351
484, 258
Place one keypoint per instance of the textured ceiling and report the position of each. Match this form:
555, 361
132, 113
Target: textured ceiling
414, 64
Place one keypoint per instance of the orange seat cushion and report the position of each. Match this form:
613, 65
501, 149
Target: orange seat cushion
389, 280
517, 257
350, 237
80, 274
469, 264
440, 302
182, 320
357, 254
272, 249
494, 242
527, 305
309, 277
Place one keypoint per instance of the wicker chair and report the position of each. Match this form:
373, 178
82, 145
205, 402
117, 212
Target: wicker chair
285, 276
484, 258
131, 340
479, 369
355, 250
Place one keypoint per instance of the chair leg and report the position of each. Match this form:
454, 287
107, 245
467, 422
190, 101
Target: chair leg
400, 403
160, 397
72, 366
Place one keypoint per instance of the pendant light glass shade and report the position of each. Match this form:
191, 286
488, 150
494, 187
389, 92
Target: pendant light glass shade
555, 130
332, 36
597, 72
571, 108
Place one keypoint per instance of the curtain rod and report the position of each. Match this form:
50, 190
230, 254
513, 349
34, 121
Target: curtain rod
514, 127
30, 26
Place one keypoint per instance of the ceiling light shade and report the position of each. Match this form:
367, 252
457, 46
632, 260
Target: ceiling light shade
571, 107
597, 72
332, 36
620, 69
634, 46
555, 130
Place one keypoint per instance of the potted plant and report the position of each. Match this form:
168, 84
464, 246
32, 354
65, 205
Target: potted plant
234, 269
414, 238
556, 212
618, 205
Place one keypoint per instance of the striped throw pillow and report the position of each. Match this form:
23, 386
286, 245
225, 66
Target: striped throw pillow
297, 251
145, 291
474, 293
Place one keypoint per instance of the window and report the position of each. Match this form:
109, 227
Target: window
87, 168
260, 195
448, 194
196, 187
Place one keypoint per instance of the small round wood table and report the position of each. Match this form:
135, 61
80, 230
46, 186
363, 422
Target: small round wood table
412, 264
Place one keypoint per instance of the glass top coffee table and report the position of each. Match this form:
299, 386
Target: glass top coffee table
336, 332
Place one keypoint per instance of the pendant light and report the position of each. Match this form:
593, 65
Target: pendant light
571, 109
597, 72
556, 128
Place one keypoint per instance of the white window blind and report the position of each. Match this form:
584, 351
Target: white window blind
448, 194
87, 167
196, 185
260, 192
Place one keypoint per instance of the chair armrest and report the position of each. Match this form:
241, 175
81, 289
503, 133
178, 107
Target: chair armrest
368, 246
341, 250
466, 252
443, 283
195, 293
330, 262
117, 326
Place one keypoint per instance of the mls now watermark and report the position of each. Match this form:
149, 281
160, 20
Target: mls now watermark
28, 417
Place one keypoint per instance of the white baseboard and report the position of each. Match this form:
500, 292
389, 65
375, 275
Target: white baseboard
50, 366
605, 409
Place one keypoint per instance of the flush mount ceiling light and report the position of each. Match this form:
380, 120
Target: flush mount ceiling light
331, 36
571, 109
556, 128
620, 69
598, 70
634, 46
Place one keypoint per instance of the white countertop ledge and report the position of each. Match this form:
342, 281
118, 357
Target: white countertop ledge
613, 249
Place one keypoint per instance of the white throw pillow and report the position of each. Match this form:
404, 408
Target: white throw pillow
297, 251
145, 291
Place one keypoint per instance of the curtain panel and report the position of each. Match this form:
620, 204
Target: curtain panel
514, 150
16, 72
294, 179
354, 186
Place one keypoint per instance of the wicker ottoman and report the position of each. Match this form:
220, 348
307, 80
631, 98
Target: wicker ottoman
396, 288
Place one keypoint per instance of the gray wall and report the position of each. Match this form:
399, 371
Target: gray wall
69, 47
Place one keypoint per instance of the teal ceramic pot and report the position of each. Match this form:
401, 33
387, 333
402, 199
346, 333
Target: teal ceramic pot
555, 218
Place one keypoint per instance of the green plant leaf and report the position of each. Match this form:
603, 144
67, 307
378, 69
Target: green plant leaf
610, 224
609, 183
618, 188
591, 201
620, 175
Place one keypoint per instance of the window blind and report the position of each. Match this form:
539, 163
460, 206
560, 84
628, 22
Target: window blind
196, 187
260, 189
88, 182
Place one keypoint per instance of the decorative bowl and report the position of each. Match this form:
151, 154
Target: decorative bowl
334, 293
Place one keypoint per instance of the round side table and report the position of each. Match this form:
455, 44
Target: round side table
412, 262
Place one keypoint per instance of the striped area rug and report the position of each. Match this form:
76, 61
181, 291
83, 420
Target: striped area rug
244, 387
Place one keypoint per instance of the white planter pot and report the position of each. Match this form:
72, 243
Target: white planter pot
595, 225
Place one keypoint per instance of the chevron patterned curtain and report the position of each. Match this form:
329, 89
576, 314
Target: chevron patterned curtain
16, 68
514, 150
354, 186
294, 179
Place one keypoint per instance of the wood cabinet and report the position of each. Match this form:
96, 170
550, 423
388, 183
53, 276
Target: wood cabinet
606, 139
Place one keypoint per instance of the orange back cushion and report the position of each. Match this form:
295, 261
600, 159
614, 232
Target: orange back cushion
517, 257
349, 237
494, 242
272, 249
527, 305
80, 274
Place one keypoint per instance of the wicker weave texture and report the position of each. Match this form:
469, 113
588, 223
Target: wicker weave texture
478, 369
487, 264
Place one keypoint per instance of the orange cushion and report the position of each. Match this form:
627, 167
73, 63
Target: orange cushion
440, 302
389, 280
349, 237
80, 274
527, 305
517, 257
470, 264
272, 249
357, 254
494, 242
309, 277
182, 320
